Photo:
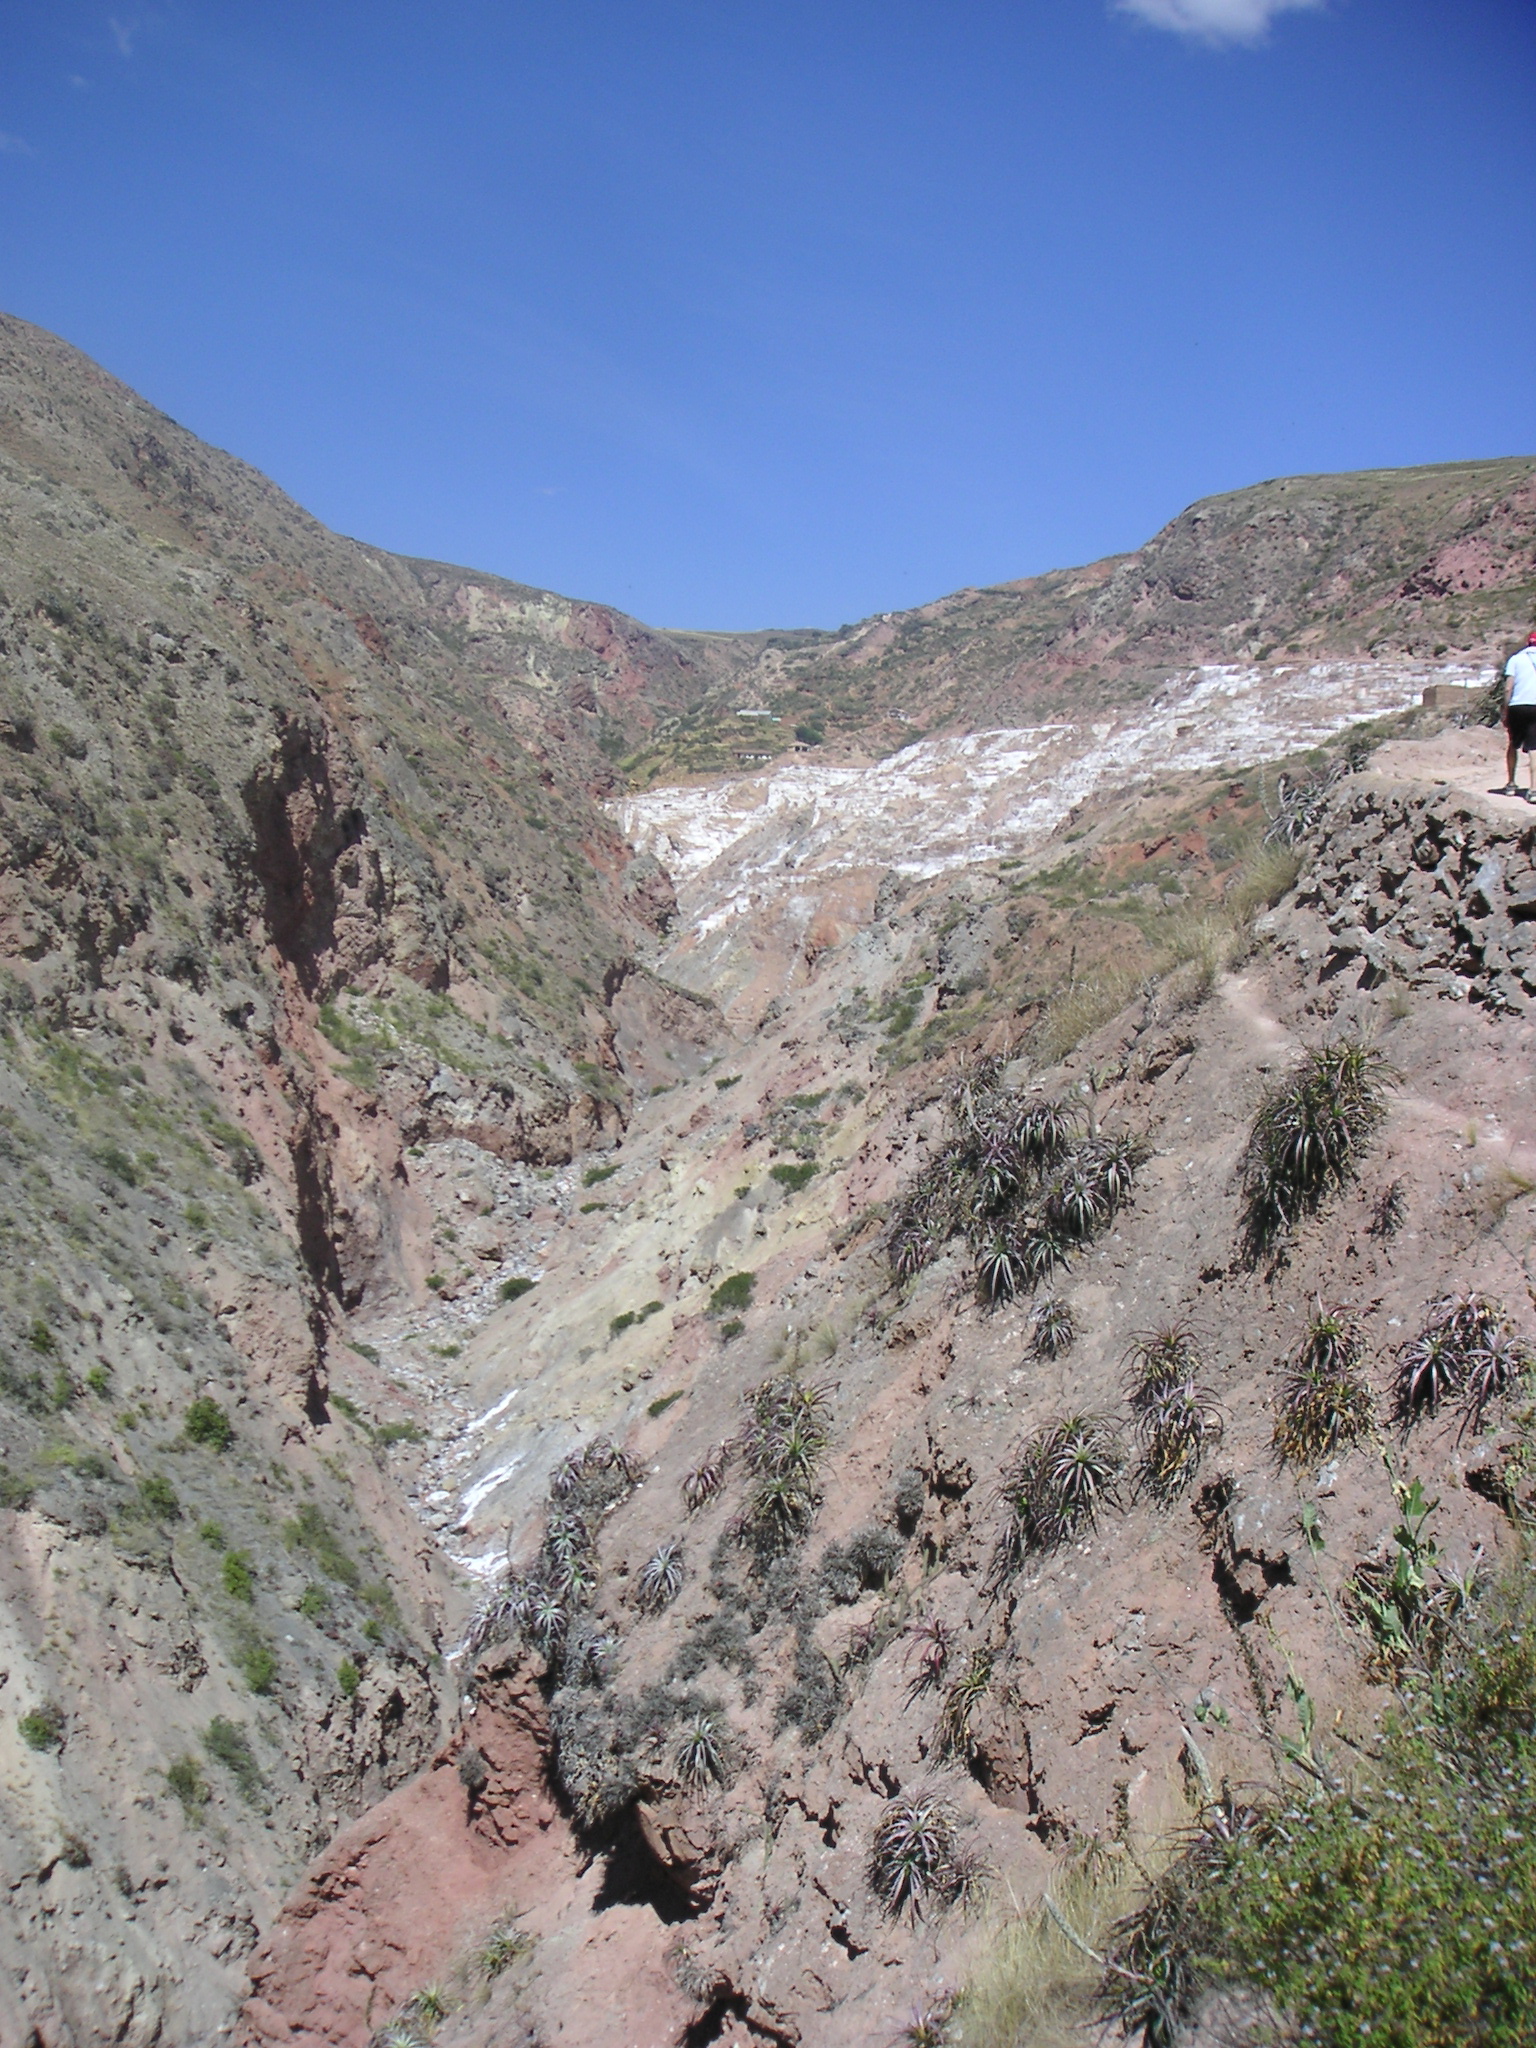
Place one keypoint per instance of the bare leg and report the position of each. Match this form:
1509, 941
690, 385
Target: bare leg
1511, 756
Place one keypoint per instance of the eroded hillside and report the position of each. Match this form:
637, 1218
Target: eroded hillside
414, 1195
738, 1691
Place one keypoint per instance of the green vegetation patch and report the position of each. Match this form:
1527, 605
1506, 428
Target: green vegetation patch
227, 1743
793, 1177
733, 1294
310, 1533
43, 1727
207, 1424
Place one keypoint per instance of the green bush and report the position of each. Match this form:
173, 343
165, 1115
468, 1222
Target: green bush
663, 1402
258, 1664
16, 1489
159, 1497
595, 1174
43, 1727
239, 1579
731, 1330
228, 1744
310, 1532
99, 1380
1392, 1905
389, 1433
313, 1602
348, 1677
211, 1534
207, 1424
734, 1293
185, 1779
514, 1288
793, 1177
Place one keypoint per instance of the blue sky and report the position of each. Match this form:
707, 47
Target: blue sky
736, 314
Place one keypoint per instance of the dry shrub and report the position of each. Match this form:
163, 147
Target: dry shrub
1077, 1012
1262, 880
1033, 1984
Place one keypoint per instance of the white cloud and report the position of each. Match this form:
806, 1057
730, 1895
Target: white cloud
1214, 21
123, 33
12, 145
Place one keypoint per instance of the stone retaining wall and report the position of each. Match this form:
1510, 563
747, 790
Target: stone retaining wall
1429, 886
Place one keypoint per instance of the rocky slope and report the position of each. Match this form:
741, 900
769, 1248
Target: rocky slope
1095, 1661
343, 998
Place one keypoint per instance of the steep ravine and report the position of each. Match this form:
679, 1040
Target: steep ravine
336, 1008
745, 1911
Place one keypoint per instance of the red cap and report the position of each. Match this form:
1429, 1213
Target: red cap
1532, 641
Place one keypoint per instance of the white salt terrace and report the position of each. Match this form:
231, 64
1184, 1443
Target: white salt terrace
943, 803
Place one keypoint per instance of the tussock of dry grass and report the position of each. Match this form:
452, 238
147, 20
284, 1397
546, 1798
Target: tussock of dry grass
1034, 1987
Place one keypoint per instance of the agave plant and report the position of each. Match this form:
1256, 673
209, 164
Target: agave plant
929, 1643
913, 1246
781, 1509
1325, 1403
566, 1476
1081, 1464
500, 1615
1168, 1356
961, 1700
1056, 1487
701, 1751
1309, 1132
1466, 1346
1041, 1249
1077, 1204
399, 2034
913, 1862
1053, 1328
548, 1620
792, 1450
706, 1479
1429, 1368
1043, 1130
1494, 1365
502, 1947
1177, 1425
999, 1169
661, 1577
1116, 1162
998, 1268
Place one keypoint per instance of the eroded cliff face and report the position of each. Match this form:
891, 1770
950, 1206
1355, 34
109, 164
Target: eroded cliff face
1082, 1678
281, 932
337, 1008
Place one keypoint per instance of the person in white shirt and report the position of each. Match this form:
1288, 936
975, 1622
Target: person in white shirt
1519, 716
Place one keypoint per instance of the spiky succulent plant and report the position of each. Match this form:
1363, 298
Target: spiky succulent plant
661, 1577
929, 1643
961, 1700
1053, 1328
1043, 1129
1056, 1487
1325, 1402
915, 1865
700, 1751
1309, 1133
706, 1479
1176, 1425
548, 1620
